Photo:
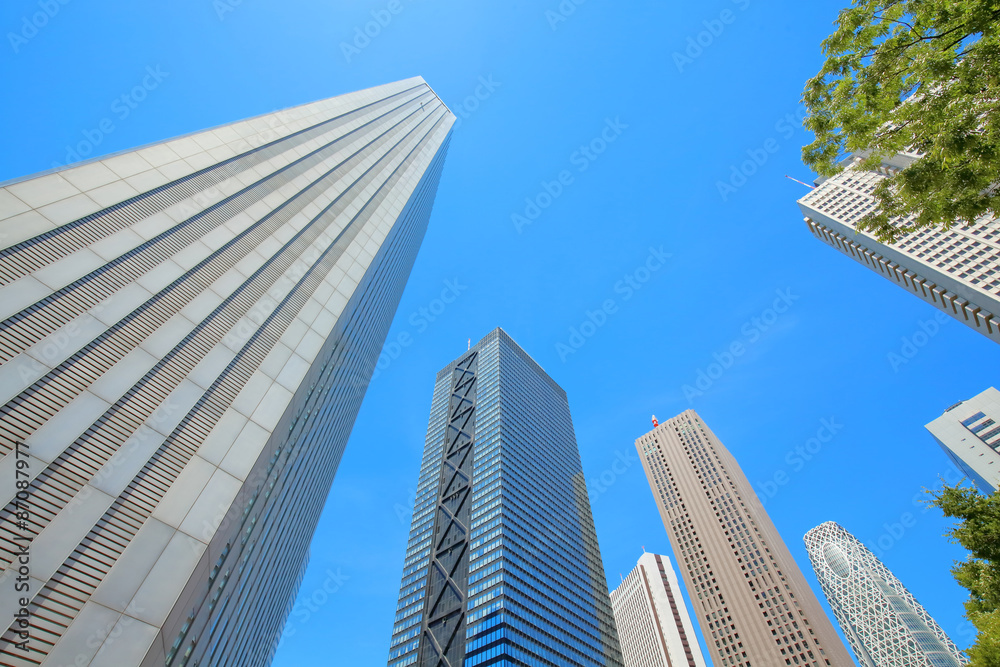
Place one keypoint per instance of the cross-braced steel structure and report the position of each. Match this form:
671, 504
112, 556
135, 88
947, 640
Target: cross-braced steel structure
502, 567
447, 581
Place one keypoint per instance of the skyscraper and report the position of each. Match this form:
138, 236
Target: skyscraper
969, 433
502, 566
956, 271
654, 626
885, 625
188, 332
754, 606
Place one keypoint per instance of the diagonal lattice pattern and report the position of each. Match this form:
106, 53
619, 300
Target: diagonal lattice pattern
884, 623
444, 631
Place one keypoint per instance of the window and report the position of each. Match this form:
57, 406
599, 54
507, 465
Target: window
980, 427
974, 418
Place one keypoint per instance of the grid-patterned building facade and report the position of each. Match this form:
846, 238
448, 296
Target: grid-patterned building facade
955, 270
969, 433
752, 602
884, 623
188, 330
502, 567
654, 626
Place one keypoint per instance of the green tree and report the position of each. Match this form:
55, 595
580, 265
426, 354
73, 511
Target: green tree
916, 76
978, 531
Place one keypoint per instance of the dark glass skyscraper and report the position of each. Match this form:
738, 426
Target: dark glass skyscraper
502, 566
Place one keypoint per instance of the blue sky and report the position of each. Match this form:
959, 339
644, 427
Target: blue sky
681, 123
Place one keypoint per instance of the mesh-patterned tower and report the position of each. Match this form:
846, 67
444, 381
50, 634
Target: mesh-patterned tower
502, 566
955, 270
752, 602
188, 330
654, 626
885, 625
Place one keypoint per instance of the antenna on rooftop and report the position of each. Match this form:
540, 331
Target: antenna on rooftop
811, 187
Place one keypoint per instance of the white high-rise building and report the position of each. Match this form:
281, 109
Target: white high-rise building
883, 622
955, 270
969, 433
654, 626
187, 331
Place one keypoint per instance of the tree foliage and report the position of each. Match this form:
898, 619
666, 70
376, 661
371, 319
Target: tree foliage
979, 532
919, 77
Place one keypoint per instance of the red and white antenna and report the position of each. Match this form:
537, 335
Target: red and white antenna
655, 423
811, 187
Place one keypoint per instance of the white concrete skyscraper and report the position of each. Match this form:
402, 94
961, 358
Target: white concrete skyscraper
654, 626
188, 330
969, 433
955, 270
883, 622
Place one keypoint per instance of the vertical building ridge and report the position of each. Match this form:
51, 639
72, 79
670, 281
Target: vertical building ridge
751, 600
188, 332
654, 626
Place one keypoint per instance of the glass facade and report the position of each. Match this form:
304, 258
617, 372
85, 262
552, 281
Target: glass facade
188, 332
502, 566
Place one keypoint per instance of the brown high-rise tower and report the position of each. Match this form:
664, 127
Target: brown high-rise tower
750, 598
